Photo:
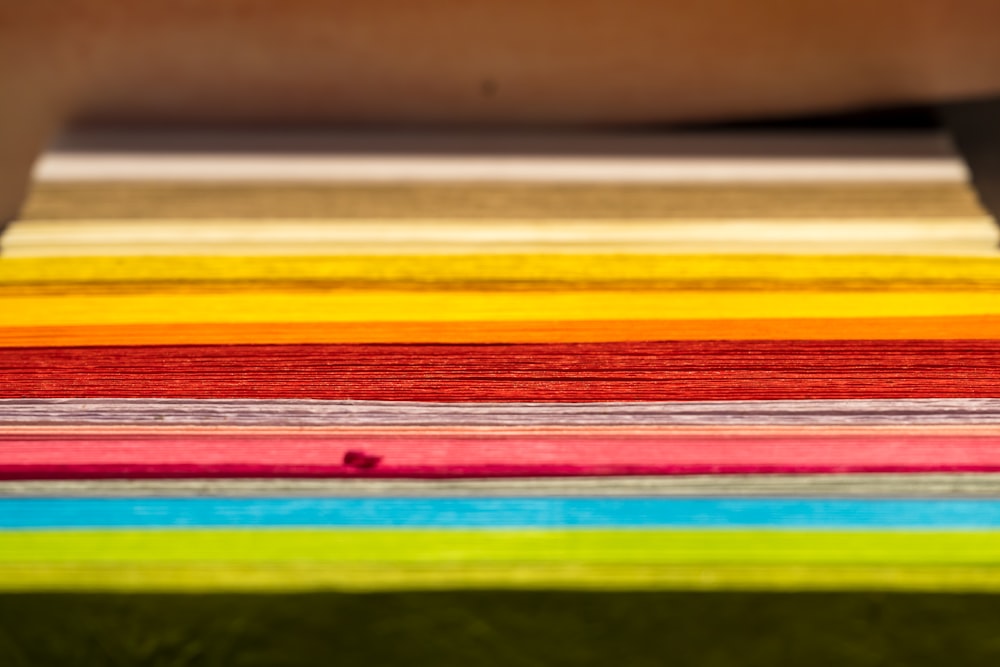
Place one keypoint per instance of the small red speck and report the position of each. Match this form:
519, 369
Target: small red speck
357, 459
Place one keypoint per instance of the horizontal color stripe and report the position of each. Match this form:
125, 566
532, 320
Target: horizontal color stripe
388, 168
219, 577
445, 231
263, 142
75, 238
866, 485
675, 371
980, 246
485, 455
243, 413
493, 513
968, 327
455, 548
471, 306
865, 272
152, 200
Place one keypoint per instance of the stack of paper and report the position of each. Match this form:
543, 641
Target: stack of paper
615, 362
